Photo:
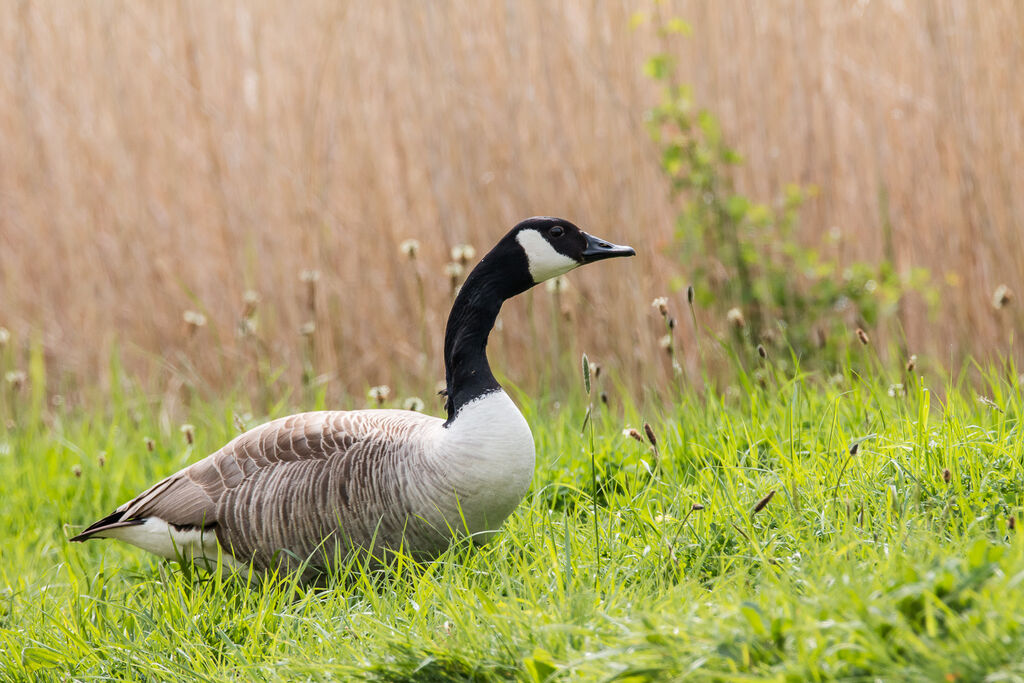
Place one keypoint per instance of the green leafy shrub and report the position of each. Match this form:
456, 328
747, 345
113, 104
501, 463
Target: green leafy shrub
745, 256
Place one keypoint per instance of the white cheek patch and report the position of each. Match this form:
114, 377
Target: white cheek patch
545, 262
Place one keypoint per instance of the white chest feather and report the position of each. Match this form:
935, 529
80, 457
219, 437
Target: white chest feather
544, 260
488, 454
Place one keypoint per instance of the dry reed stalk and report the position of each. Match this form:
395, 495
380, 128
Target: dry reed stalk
204, 149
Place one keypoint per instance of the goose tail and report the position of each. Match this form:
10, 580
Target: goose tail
115, 520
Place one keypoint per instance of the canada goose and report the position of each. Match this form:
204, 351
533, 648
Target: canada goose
301, 487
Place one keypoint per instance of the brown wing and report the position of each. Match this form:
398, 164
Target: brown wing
286, 485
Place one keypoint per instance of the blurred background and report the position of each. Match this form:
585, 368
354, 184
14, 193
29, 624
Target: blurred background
215, 196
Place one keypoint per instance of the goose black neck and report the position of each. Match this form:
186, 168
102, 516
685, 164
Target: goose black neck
500, 275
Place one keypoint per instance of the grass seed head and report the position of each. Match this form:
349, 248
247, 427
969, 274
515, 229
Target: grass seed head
912, 363
854, 448
194, 320
247, 327
631, 433
308, 328
587, 372
310, 278
410, 248
150, 445
649, 431
604, 397
661, 303
1002, 297
557, 285
414, 403
189, 432
696, 507
666, 342
1011, 522
986, 401
761, 351
15, 378
77, 471
761, 504
379, 393
5, 336
689, 294
453, 271
863, 337
463, 253
250, 300
947, 476
735, 318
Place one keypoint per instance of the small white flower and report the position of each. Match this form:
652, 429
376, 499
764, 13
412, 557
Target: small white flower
308, 328
379, 393
1002, 296
246, 327
410, 248
665, 342
5, 336
661, 303
413, 403
557, 285
896, 390
15, 378
250, 297
454, 271
463, 253
194, 318
309, 275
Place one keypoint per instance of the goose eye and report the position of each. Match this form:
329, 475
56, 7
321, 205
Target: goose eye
556, 231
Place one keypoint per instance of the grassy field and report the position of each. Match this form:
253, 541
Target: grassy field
755, 543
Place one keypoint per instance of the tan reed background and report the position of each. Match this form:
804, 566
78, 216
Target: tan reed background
159, 157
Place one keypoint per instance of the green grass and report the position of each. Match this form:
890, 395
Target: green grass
860, 566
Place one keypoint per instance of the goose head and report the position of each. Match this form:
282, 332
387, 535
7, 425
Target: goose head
535, 250
548, 247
